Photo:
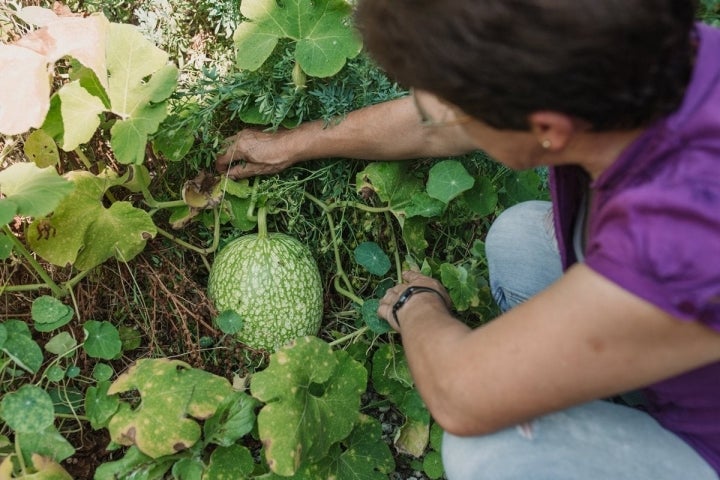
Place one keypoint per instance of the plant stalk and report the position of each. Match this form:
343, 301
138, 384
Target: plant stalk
50, 283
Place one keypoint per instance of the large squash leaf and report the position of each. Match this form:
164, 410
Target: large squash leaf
83, 38
320, 28
24, 89
141, 80
80, 112
173, 395
30, 190
392, 183
83, 232
129, 76
24, 82
308, 389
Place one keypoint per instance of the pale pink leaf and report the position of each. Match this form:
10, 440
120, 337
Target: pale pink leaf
37, 16
24, 89
84, 39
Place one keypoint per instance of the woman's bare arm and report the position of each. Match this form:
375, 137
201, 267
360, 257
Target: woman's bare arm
583, 338
387, 131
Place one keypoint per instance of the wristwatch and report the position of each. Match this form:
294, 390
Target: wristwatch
409, 292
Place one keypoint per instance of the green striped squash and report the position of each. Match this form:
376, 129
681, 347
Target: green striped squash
272, 281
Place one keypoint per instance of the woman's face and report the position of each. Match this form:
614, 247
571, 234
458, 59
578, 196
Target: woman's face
515, 149
518, 150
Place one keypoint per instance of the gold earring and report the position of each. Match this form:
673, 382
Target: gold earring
546, 144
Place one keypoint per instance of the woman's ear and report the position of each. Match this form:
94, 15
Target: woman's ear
553, 130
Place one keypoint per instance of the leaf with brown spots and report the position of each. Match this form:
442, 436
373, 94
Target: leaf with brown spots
311, 393
173, 394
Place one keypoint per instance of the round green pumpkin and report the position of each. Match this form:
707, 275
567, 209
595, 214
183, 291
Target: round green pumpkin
272, 281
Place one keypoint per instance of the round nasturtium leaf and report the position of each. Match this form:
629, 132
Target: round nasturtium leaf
130, 338
102, 371
61, 343
423, 205
103, 340
375, 324
432, 465
50, 313
482, 198
447, 180
28, 410
55, 373
20, 346
229, 321
372, 257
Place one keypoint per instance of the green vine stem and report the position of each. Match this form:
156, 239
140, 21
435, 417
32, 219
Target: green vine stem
396, 249
350, 336
83, 158
202, 251
262, 223
151, 201
20, 458
253, 203
348, 291
49, 282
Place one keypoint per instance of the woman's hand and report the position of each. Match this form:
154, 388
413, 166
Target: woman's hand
251, 152
411, 279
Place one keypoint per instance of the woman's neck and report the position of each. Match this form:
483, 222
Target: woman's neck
597, 151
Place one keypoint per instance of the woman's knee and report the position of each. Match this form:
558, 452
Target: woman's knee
522, 253
512, 229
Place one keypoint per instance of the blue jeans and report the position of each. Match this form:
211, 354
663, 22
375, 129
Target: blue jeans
598, 440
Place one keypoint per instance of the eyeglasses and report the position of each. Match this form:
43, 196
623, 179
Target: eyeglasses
451, 116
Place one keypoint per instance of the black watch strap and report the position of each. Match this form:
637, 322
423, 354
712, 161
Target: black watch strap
409, 292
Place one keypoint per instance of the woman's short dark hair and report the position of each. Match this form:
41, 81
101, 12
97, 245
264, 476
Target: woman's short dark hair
614, 63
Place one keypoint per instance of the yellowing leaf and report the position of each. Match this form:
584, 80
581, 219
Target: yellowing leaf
173, 395
81, 115
310, 391
84, 233
141, 80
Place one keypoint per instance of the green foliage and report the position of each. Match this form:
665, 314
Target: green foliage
710, 12
158, 427
372, 257
30, 410
30, 191
203, 113
105, 110
83, 232
320, 30
302, 416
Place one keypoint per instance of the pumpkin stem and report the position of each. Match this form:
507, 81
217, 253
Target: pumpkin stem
262, 222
